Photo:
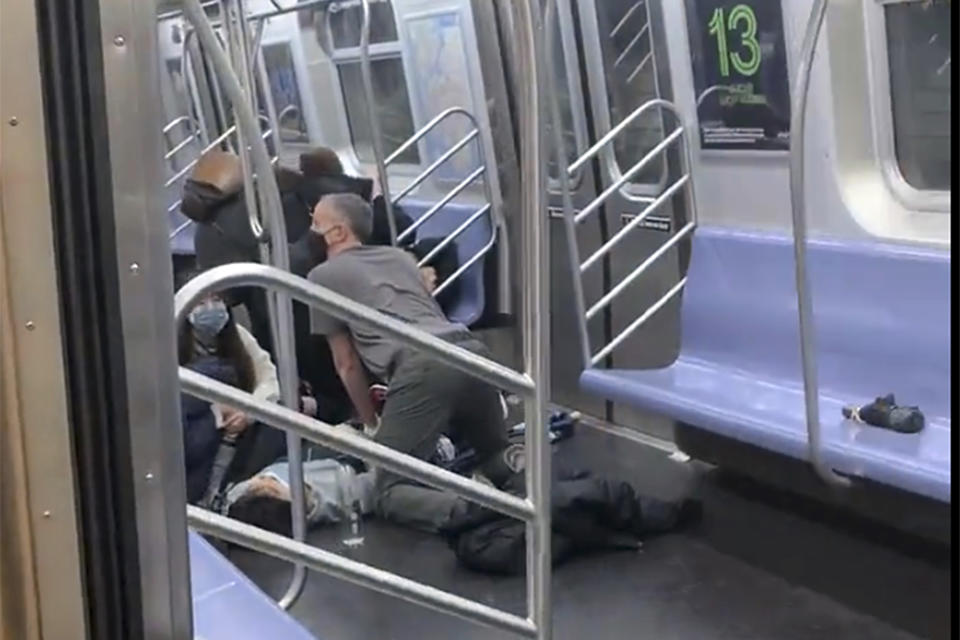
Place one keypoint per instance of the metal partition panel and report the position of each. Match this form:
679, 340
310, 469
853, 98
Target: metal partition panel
482, 172
681, 186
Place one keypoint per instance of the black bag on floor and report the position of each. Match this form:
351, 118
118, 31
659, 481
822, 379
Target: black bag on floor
589, 514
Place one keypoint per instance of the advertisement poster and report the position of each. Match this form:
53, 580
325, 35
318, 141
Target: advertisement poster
740, 74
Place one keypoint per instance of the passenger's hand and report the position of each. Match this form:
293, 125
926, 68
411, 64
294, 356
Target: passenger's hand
235, 422
429, 275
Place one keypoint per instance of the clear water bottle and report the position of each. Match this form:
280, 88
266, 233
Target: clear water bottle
353, 527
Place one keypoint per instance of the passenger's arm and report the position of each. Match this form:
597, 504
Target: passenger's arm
354, 376
267, 386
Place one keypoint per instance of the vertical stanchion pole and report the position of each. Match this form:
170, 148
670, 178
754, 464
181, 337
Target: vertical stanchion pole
551, 28
536, 327
808, 351
376, 136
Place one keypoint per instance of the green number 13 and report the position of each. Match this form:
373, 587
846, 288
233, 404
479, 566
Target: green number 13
748, 38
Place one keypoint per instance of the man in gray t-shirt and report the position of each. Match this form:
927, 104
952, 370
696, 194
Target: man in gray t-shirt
426, 398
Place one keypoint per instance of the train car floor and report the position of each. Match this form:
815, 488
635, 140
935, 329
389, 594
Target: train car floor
757, 567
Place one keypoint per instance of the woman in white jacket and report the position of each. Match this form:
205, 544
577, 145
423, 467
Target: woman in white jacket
212, 343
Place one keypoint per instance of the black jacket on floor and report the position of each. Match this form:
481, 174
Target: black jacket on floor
589, 514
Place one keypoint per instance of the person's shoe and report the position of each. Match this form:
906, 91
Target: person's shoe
446, 452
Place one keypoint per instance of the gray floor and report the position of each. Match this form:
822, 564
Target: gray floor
761, 565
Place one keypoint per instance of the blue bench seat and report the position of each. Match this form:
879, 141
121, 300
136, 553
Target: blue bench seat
882, 322
228, 606
471, 298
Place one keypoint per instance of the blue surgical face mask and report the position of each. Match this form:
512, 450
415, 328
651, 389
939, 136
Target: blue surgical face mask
208, 320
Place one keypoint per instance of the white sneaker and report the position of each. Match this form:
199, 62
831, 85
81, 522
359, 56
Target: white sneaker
446, 452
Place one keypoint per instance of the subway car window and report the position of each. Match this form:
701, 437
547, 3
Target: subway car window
918, 49
393, 108
629, 66
345, 19
286, 92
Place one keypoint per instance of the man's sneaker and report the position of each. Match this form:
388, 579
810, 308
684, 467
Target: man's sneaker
446, 452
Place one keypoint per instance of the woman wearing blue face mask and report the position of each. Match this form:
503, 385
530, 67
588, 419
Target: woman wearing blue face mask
212, 343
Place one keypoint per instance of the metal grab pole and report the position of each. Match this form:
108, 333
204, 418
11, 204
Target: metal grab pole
269, 195
375, 133
808, 355
552, 25
234, 32
536, 327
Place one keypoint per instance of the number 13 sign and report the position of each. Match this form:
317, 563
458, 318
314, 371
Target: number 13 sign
740, 74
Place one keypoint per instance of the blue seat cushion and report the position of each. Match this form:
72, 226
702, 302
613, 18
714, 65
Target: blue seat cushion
882, 323
228, 606
470, 302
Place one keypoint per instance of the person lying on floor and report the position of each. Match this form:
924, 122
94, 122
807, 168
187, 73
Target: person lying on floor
332, 488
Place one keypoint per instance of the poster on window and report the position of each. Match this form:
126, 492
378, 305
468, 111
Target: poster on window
740, 74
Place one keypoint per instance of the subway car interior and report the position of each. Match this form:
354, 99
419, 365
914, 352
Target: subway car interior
703, 246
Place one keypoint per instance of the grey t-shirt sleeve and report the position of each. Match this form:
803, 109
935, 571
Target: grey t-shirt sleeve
330, 276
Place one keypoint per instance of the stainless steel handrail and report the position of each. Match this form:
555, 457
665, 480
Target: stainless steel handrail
449, 153
346, 310
808, 354
376, 141
427, 128
180, 146
453, 235
618, 237
535, 258
345, 440
639, 271
235, 23
170, 126
590, 153
626, 177
213, 145
482, 170
444, 201
280, 304
358, 573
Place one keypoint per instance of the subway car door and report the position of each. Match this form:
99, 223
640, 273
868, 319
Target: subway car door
625, 58
566, 360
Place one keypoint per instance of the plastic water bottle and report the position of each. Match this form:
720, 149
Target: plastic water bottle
353, 527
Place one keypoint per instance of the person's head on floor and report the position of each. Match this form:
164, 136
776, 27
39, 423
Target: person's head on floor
343, 220
320, 161
265, 512
210, 330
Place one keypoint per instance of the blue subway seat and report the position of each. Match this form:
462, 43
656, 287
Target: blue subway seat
882, 320
469, 305
228, 606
